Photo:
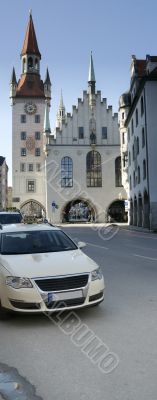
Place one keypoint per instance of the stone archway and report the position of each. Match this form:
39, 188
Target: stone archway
33, 208
116, 212
78, 210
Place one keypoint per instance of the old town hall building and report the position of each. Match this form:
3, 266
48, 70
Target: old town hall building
72, 173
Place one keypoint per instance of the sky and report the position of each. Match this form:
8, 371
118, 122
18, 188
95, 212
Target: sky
67, 31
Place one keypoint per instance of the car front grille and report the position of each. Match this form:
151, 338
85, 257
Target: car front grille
60, 283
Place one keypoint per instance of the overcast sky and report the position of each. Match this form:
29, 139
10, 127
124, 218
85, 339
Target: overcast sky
67, 30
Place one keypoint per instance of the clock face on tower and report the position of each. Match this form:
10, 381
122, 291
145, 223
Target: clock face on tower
30, 108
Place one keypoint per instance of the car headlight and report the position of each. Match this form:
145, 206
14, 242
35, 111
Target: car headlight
96, 274
18, 283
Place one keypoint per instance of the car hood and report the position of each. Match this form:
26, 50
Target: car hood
48, 264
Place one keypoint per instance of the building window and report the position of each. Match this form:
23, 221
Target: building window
125, 160
38, 167
137, 145
37, 136
142, 106
123, 138
104, 132
23, 152
93, 169
93, 138
23, 135
139, 176
123, 115
66, 172
23, 118
136, 117
133, 152
30, 167
81, 132
37, 118
128, 134
22, 167
134, 179
37, 152
30, 186
132, 126
144, 169
130, 183
118, 175
143, 137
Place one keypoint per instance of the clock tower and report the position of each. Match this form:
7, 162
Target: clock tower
29, 98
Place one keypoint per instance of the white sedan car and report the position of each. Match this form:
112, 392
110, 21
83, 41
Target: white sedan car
43, 270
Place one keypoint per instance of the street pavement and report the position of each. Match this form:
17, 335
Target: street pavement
126, 322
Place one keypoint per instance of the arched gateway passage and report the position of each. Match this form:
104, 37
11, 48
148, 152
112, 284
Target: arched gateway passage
116, 212
33, 208
78, 210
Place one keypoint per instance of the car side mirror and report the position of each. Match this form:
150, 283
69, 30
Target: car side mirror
81, 245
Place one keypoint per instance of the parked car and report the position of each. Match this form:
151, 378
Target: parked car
10, 217
43, 270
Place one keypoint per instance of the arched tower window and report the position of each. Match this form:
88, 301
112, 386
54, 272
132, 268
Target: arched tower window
30, 63
36, 64
24, 65
93, 169
66, 172
118, 175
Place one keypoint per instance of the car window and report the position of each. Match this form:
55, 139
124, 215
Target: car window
10, 219
35, 242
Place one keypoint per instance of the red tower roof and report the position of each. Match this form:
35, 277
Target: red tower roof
30, 45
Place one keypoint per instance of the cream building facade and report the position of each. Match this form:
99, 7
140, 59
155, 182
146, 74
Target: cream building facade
83, 161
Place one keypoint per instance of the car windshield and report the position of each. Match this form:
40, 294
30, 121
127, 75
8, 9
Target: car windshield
10, 219
46, 241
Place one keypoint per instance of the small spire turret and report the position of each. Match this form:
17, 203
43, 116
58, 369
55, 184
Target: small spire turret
47, 85
61, 115
13, 84
91, 84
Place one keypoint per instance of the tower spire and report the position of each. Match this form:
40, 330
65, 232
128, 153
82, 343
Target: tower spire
91, 84
30, 45
91, 75
61, 115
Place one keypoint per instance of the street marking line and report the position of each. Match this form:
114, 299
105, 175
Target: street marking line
96, 245
139, 247
133, 233
147, 258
